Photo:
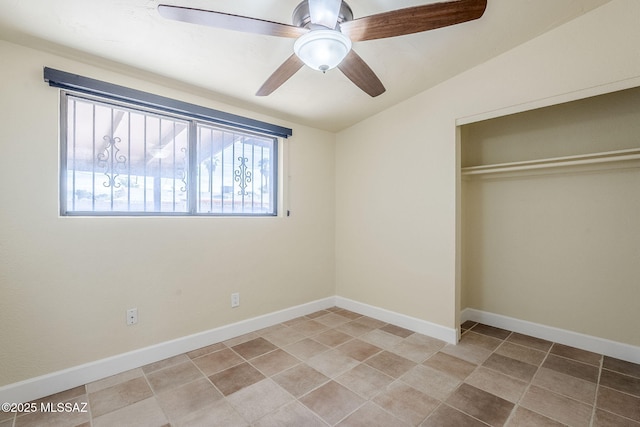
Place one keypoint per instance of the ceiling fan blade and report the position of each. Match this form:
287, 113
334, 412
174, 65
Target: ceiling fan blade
324, 12
229, 22
361, 74
413, 19
281, 75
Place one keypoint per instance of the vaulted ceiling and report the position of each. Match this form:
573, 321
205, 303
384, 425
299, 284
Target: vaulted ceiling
230, 66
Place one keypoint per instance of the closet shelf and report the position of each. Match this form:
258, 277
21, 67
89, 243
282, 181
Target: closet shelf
583, 159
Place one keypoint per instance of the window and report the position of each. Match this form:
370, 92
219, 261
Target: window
123, 158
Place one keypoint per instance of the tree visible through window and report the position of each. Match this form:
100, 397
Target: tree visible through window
119, 159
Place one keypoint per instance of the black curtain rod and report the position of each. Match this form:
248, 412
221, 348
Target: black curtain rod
75, 82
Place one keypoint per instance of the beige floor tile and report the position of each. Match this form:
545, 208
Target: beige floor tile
309, 327
306, 349
146, 413
468, 324
450, 365
415, 351
371, 415
254, 348
576, 354
571, 367
484, 406
523, 417
431, 381
358, 349
354, 328
410, 405
381, 339
512, 367
521, 353
173, 376
365, 380
491, 331
285, 336
180, 402
332, 363
332, 320
206, 350
236, 378
220, 413
370, 322
113, 380
433, 344
618, 403
528, 341
7, 416
259, 399
496, 383
296, 321
118, 396
286, 324
483, 341
250, 336
293, 414
567, 385
390, 363
607, 419
396, 330
624, 383
318, 313
621, 366
332, 402
557, 407
270, 329
332, 338
348, 314
217, 361
300, 379
445, 415
468, 352
276, 361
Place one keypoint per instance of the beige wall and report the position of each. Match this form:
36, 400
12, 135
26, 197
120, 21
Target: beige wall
600, 123
559, 249
65, 283
398, 226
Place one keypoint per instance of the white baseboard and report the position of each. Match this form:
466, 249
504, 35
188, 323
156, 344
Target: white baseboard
45, 385
610, 348
417, 325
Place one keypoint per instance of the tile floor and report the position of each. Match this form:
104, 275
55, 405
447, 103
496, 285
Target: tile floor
336, 367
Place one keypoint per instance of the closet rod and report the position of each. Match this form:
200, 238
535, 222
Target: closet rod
583, 159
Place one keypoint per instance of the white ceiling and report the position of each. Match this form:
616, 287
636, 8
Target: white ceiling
230, 66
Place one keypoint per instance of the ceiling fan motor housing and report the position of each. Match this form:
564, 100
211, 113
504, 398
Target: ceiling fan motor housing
302, 17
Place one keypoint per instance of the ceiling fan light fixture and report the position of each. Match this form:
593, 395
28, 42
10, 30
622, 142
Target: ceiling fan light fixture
322, 50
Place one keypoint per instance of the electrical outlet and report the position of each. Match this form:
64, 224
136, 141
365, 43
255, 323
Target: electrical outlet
132, 316
235, 299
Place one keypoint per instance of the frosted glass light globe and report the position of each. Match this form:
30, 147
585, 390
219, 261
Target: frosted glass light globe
322, 50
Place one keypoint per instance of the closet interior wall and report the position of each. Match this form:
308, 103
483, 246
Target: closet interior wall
551, 216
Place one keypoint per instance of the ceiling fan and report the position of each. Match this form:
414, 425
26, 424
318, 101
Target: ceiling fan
325, 29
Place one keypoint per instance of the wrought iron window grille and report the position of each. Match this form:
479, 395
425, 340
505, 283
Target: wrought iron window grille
121, 159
